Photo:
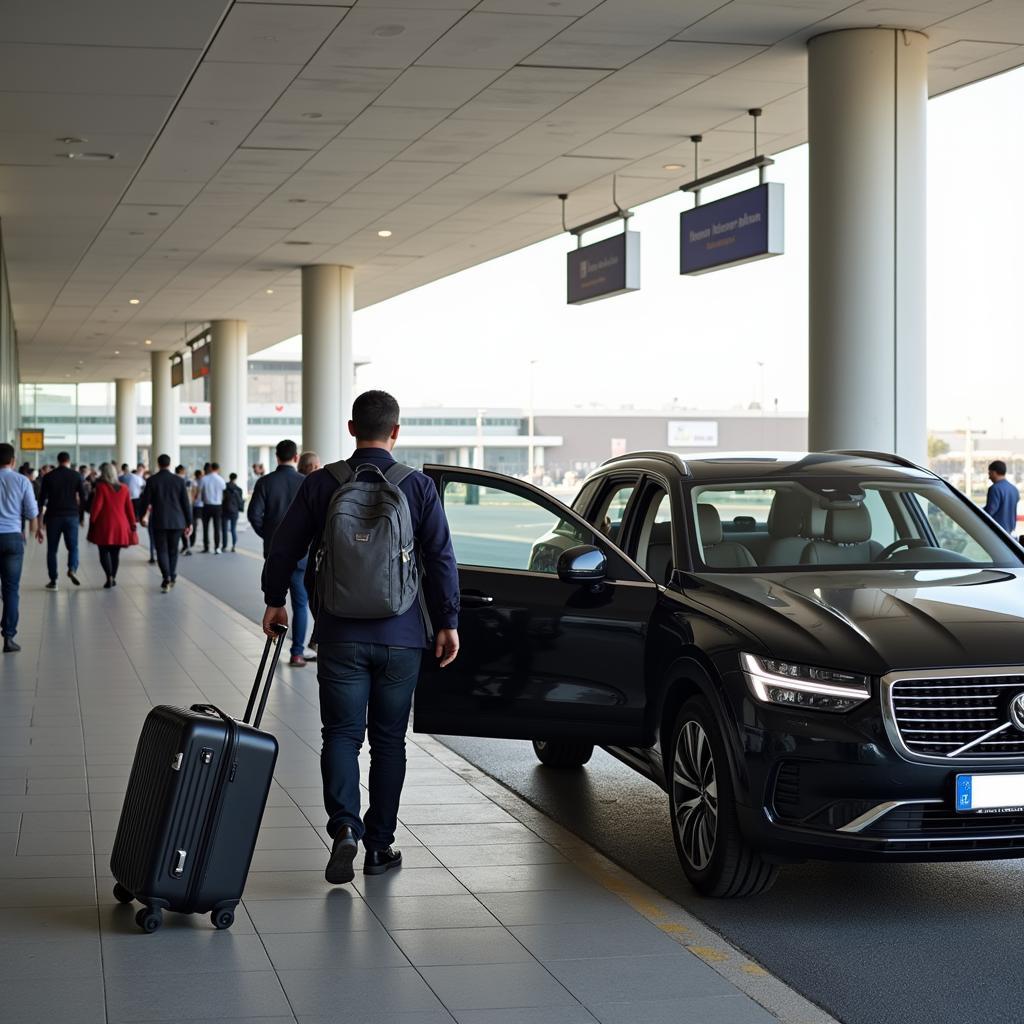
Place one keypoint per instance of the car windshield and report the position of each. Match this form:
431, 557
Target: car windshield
842, 523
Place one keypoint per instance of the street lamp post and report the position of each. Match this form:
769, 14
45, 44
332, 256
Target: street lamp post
530, 454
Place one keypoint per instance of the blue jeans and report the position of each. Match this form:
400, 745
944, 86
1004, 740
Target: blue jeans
56, 528
300, 610
365, 687
12, 556
230, 521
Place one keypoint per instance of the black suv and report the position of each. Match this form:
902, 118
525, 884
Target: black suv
816, 655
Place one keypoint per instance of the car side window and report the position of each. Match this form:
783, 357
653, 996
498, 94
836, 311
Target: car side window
503, 529
609, 512
950, 535
654, 539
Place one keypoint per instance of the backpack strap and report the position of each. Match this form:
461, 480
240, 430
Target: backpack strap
397, 473
341, 471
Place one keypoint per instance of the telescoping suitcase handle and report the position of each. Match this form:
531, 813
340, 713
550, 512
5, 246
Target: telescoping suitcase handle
277, 643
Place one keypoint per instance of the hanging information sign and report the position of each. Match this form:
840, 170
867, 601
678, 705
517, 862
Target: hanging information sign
738, 229
604, 268
177, 372
201, 361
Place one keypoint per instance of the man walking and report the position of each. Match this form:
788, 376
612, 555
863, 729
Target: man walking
17, 503
211, 491
233, 503
270, 499
168, 512
1002, 499
367, 667
61, 499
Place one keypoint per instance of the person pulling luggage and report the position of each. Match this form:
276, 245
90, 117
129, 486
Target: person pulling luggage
369, 526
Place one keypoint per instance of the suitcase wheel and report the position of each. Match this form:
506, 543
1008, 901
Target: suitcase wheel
149, 920
121, 894
223, 918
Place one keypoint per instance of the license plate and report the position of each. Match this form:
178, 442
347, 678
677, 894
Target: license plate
989, 794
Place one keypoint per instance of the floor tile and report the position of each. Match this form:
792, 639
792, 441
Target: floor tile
496, 986
531, 1015
456, 835
523, 878
322, 951
729, 1009
399, 912
183, 951
408, 881
394, 989
557, 907
498, 853
608, 979
69, 1000
340, 910
453, 814
370, 1016
431, 947
173, 997
47, 892
32, 844
636, 937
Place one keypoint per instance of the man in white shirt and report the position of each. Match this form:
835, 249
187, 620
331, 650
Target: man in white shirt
133, 481
17, 504
211, 491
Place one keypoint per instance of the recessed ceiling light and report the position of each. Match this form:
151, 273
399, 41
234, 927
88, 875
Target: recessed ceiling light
297, 200
149, 341
297, 243
134, 302
384, 233
88, 156
117, 351
672, 167
136, 232
312, 115
387, 31
270, 291
152, 213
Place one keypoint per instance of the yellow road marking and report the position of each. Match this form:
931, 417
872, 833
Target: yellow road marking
709, 954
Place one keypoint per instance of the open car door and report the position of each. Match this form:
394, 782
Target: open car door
543, 655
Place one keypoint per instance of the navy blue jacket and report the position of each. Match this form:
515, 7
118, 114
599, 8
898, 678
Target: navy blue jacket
1001, 504
300, 533
270, 499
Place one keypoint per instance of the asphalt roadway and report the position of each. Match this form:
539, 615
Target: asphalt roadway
872, 944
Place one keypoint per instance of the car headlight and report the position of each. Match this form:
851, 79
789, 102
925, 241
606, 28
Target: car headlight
774, 681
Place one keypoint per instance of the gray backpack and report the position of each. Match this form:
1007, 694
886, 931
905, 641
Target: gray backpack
366, 565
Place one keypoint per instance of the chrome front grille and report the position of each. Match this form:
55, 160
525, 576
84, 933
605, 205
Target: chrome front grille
950, 718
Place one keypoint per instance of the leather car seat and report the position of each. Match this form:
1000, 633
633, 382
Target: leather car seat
789, 526
659, 553
720, 553
847, 538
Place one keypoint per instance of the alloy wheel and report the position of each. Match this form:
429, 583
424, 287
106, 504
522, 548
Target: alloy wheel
695, 794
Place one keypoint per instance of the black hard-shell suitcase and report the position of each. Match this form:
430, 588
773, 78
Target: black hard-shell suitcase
193, 808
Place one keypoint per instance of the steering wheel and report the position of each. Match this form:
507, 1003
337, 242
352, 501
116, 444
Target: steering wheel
904, 542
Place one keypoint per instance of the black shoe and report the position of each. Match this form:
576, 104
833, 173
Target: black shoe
343, 853
379, 861
113, 582
52, 585
174, 580
108, 584
74, 579
152, 561
10, 647
188, 553
165, 586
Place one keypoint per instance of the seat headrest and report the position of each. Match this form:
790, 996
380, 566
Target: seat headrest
788, 514
814, 528
848, 525
661, 533
709, 525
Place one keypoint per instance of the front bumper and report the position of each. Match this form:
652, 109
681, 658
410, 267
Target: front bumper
832, 786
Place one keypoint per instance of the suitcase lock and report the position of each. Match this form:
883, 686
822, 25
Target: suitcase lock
176, 763
179, 868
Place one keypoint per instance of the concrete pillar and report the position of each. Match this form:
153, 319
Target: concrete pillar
228, 394
165, 411
867, 113
328, 369
124, 423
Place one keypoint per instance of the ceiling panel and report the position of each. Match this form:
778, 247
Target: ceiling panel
273, 33
448, 88
482, 40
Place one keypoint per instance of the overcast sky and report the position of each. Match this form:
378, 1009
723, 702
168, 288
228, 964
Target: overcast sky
469, 339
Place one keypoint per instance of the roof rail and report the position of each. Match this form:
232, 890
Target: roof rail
671, 458
897, 460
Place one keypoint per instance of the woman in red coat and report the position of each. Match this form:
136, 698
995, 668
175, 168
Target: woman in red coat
111, 521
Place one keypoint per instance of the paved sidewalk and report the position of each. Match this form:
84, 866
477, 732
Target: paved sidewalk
499, 916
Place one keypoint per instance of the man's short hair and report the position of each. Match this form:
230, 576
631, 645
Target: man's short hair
998, 467
286, 450
63, 457
232, 477
177, 469
6, 453
163, 461
214, 466
306, 462
375, 415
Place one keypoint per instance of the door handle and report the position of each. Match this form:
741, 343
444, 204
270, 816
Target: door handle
475, 600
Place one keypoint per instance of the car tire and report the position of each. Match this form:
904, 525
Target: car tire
563, 753
715, 857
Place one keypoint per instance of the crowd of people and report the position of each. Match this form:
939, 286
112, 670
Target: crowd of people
52, 503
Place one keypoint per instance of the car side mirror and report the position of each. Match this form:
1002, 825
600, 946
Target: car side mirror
582, 564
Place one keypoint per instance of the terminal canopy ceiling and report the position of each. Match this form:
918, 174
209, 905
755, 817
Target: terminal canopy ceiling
193, 154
